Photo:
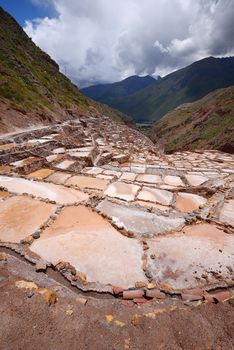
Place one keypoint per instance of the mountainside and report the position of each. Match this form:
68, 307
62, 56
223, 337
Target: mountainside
107, 93
32, 90
205, 124
185, 85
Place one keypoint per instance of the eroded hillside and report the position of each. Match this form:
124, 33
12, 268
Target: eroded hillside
32, 90
205, 124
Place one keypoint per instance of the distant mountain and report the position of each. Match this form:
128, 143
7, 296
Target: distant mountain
32, 90
107, 93
185, 85
205, 124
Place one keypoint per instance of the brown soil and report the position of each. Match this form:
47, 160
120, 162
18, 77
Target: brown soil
28, 322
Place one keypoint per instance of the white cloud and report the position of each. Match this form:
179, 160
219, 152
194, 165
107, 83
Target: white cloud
103, 40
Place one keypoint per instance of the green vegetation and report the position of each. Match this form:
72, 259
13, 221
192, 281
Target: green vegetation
206, 123
30, 80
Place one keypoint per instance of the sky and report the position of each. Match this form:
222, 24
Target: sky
99, 41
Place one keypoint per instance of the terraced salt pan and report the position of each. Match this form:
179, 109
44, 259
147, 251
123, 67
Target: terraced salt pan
122, 190
57, 193
90, 244
52, 158
196, 180
188, 202
155, 195
65, 164
153, 205
94, 171
149, 178
227, 213
41, 174
182, 257
88, 182
173, 180
58, 177
139, 222
128, 176
22, 216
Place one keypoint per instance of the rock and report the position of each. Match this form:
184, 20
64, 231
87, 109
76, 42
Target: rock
152, 256
48, 295
82, 301
37, 234
41, 266
117, 290
65, 266
145, 246
148, 274
3, 257
109, 318
27, 240
26, 285
31, 294
81, 276
119, 323
140, 284
69, 312
144, 265
222, 296
133, 294
135, 321
191, 297
151, 285
166, 287
154, 293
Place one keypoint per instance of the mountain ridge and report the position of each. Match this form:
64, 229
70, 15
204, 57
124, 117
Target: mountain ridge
184, 85
106, 92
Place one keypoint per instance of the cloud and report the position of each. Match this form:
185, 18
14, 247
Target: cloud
106, 41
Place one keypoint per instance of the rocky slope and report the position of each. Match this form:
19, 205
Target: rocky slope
185, 85
204, 124
32, 90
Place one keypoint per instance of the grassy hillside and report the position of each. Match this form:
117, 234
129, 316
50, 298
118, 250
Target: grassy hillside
31, 84
185, 85
206, 123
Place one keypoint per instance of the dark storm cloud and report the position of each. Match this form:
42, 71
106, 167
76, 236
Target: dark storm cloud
104, 41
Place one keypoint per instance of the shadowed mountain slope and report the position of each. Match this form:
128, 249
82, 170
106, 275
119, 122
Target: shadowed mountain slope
185, 85
205, 124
